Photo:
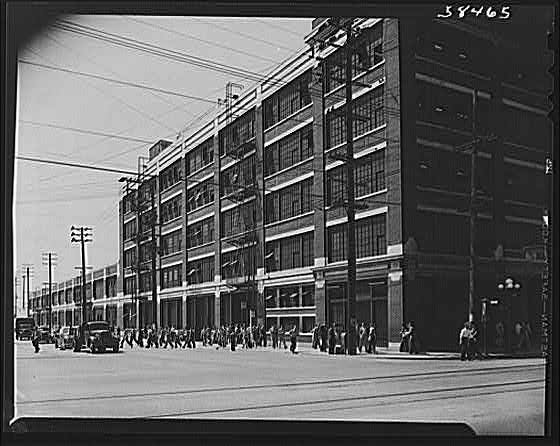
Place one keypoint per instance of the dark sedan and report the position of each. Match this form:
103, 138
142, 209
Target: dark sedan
97, 336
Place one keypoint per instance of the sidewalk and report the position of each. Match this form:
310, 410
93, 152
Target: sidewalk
386, 353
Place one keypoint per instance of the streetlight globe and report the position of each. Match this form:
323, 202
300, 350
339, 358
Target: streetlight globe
501, 286
517, 286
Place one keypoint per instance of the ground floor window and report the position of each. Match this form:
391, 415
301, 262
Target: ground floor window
308, 322
111, 315
288, 322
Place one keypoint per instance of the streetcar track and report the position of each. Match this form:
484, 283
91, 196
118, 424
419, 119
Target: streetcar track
325, 383
340, 400
437, 398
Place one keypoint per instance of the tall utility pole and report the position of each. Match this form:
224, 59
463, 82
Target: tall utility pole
350, 210
82, 235
23, 293
28, 272
139, 207
48, 259
153, 251
473, 212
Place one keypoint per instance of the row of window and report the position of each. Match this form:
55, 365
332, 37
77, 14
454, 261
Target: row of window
200, 195
130, 229
171, 175
369, 177
241, 174
370, 239
171, 209
288, 100
239, 263
146, 282
237, 133
101, 289
288, 151
200, 233
146, 252
290, 297
290, 252
201, 156
289, 202
130, 257
368, 114
368, 52
201, 271
172, 276
239, 219
171, 243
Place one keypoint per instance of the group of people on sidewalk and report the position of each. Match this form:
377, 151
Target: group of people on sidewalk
409, 339
335, 338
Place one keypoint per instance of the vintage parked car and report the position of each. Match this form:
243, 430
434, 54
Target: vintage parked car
96, 336
45, 336
64, 338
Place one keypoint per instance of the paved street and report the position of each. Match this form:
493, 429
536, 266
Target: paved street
499, 396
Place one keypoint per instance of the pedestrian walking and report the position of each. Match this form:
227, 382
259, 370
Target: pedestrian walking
315, 337
332, 339
361, 332
233, 340
273, 336
404, 339
35, 340
464, 341
263, 335
372, 340
293, 339
324, 338
412, 341
473, 346
282, 337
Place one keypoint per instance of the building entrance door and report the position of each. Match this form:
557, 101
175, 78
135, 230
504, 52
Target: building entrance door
381, 318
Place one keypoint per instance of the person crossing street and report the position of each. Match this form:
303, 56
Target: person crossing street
293, 339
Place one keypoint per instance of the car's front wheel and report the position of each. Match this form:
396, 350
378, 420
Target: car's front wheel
116, 348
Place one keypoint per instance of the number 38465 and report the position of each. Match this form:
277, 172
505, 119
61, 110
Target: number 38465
462, 11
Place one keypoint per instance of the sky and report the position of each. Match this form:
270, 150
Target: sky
49, 199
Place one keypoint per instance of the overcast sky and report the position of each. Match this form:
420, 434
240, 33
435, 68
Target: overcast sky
49, 199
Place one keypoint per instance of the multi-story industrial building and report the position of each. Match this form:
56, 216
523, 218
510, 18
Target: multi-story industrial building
251, 223
103, 300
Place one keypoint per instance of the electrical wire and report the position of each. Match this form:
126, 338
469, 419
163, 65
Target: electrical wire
248, 36
84, 131
190, 36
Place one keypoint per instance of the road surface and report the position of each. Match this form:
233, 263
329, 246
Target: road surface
499, 396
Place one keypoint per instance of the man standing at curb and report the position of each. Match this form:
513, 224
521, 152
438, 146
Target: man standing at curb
464, 341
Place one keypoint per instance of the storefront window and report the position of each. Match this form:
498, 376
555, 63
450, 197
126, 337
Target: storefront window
307, 324
308, 296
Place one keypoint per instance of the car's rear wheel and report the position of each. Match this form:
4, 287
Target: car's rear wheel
93, 350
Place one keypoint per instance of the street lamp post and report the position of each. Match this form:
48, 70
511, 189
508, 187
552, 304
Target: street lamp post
509, 288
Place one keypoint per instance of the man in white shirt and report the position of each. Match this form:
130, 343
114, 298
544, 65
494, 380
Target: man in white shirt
464, 341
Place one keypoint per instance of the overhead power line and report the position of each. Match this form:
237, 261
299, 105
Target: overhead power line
248, 36
82, 166
209, 42
165, 53
87, 132
116, 81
